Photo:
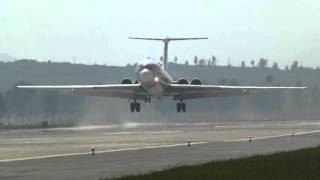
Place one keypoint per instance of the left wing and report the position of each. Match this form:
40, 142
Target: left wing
115, 90
185, 91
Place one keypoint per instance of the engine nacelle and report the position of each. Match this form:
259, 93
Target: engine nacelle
183, 81
196, 82
126, 81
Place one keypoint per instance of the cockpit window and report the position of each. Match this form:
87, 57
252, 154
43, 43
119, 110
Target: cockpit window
149, 65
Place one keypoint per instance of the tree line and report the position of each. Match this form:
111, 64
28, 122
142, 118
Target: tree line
261, 63
38, 108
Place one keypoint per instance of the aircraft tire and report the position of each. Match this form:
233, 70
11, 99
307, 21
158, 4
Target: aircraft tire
183, 107
132, 107
178, 107
137, 107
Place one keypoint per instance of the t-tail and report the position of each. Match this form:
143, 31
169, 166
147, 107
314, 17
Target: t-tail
166, 43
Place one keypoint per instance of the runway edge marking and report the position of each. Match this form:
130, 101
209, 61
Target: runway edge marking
149, 147
97, 152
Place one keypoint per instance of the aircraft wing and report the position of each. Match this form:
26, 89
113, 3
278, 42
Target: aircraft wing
185, 91
115, 90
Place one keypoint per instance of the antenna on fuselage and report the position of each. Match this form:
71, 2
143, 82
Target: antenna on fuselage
166, 43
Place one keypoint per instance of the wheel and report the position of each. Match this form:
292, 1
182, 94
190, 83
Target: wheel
132, 107
183, 107
137, 107
178, 107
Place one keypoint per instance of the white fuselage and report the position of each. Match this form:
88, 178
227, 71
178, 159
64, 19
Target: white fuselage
153, 78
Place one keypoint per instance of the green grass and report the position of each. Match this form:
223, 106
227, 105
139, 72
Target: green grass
293, 165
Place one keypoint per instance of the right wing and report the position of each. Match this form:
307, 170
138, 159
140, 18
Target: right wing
187, 91
115, 90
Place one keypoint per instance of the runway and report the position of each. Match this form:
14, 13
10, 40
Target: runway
226, 142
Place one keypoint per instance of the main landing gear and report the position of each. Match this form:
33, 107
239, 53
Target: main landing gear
147, 99
181, 107
135, 106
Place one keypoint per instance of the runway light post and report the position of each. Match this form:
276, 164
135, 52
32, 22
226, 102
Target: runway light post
92, 151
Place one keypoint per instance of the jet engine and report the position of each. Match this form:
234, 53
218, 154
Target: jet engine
126, 81
196, 82
183, 81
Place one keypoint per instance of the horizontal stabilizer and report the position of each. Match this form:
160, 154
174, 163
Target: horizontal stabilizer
167, 39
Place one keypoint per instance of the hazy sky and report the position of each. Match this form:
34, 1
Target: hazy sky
97, 30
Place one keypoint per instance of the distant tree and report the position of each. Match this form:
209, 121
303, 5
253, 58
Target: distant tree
294, 65
209, 63
175, 59
243, 64
286, 68
195, 60
262, 63
201, 62
275, 66
26, 61
186, 63
213, 60
269, 79
253, 63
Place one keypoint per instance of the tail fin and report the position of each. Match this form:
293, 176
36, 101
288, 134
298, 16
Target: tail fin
166, 42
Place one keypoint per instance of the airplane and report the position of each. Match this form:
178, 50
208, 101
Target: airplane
153, 80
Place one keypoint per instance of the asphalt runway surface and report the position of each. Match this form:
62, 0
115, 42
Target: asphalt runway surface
133, 148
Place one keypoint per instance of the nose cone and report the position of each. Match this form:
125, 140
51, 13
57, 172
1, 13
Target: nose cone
146, 75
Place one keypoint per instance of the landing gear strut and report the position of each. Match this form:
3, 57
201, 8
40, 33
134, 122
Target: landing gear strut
181, 107
147, 99
135, 106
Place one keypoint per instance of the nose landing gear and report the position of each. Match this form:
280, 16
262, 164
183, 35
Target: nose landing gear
181, 107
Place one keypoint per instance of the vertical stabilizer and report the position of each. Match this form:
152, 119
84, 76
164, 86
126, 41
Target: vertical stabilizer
166, 44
